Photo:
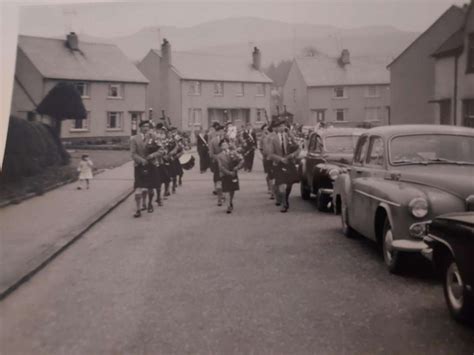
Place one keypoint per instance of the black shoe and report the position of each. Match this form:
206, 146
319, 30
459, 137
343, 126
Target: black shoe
167, 193
229, 210
143, 208
219, 203
214, 192
79, 188
284, 209
277, 204
137, 214
159, 203
150, 208
272, 197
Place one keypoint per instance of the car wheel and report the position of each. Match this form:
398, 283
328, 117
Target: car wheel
392, 258
460, 304
305, 190
346, 228
322, 202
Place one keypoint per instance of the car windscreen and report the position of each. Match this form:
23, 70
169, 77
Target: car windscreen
432, 149
340, 144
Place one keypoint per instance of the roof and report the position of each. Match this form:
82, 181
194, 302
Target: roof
197, 66
93, 61
452, 46
458, 9
388, 131
322, 70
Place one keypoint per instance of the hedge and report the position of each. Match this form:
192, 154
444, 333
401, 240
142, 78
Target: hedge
30, 148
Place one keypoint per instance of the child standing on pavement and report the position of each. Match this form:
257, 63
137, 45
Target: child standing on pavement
85, 171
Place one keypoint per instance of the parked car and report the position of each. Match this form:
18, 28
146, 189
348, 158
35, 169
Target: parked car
451, 242
401, 177
329, 150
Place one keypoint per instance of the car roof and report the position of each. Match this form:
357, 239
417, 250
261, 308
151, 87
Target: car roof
388, 131
339, 131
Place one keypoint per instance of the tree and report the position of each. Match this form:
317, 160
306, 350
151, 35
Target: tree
61, 103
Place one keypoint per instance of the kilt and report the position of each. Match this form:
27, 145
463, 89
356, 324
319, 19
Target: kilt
286, 174
166, 173
230, 183
170, 170
267, 166
159, 176
143, 176
178, 167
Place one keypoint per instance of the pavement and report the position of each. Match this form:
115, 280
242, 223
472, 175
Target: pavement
191, 279
36, 230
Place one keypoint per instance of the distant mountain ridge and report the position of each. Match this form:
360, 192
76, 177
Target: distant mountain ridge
277, 40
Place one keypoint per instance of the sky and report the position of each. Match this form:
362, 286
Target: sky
119, 18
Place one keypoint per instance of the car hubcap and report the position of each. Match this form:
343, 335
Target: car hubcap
454, 286
388, 249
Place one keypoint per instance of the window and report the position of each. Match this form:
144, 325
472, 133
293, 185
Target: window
376, 156
260, 115
340, 115
114, 120
83, 89
318, 115
340, 92
361, 150
240, 89
194, 117
470, 54
115, 91
81, 125
260, 89
218, 89
372, 113
195, 88
372, 91
468, 113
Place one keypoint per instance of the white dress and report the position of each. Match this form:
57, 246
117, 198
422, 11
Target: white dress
85, 169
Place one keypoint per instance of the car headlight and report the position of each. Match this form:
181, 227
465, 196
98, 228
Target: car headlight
418, 207
333, 174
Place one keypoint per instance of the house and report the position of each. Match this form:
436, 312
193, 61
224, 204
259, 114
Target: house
454, 76
412, 73
196, 89
342, 91
112, 89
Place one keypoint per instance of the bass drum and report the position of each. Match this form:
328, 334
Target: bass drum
187, 162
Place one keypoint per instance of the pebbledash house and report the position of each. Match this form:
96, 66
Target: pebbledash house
341, 91
113, 90
196, 89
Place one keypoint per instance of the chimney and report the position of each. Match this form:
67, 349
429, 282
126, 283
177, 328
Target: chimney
256, 58
166, 51
345, 58
72, 41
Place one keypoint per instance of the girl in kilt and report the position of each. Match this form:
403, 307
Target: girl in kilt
229, 161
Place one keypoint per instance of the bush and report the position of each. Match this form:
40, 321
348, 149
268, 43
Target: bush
30, 147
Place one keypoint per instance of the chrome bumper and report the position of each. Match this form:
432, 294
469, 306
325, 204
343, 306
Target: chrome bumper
409, 246
326, 191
